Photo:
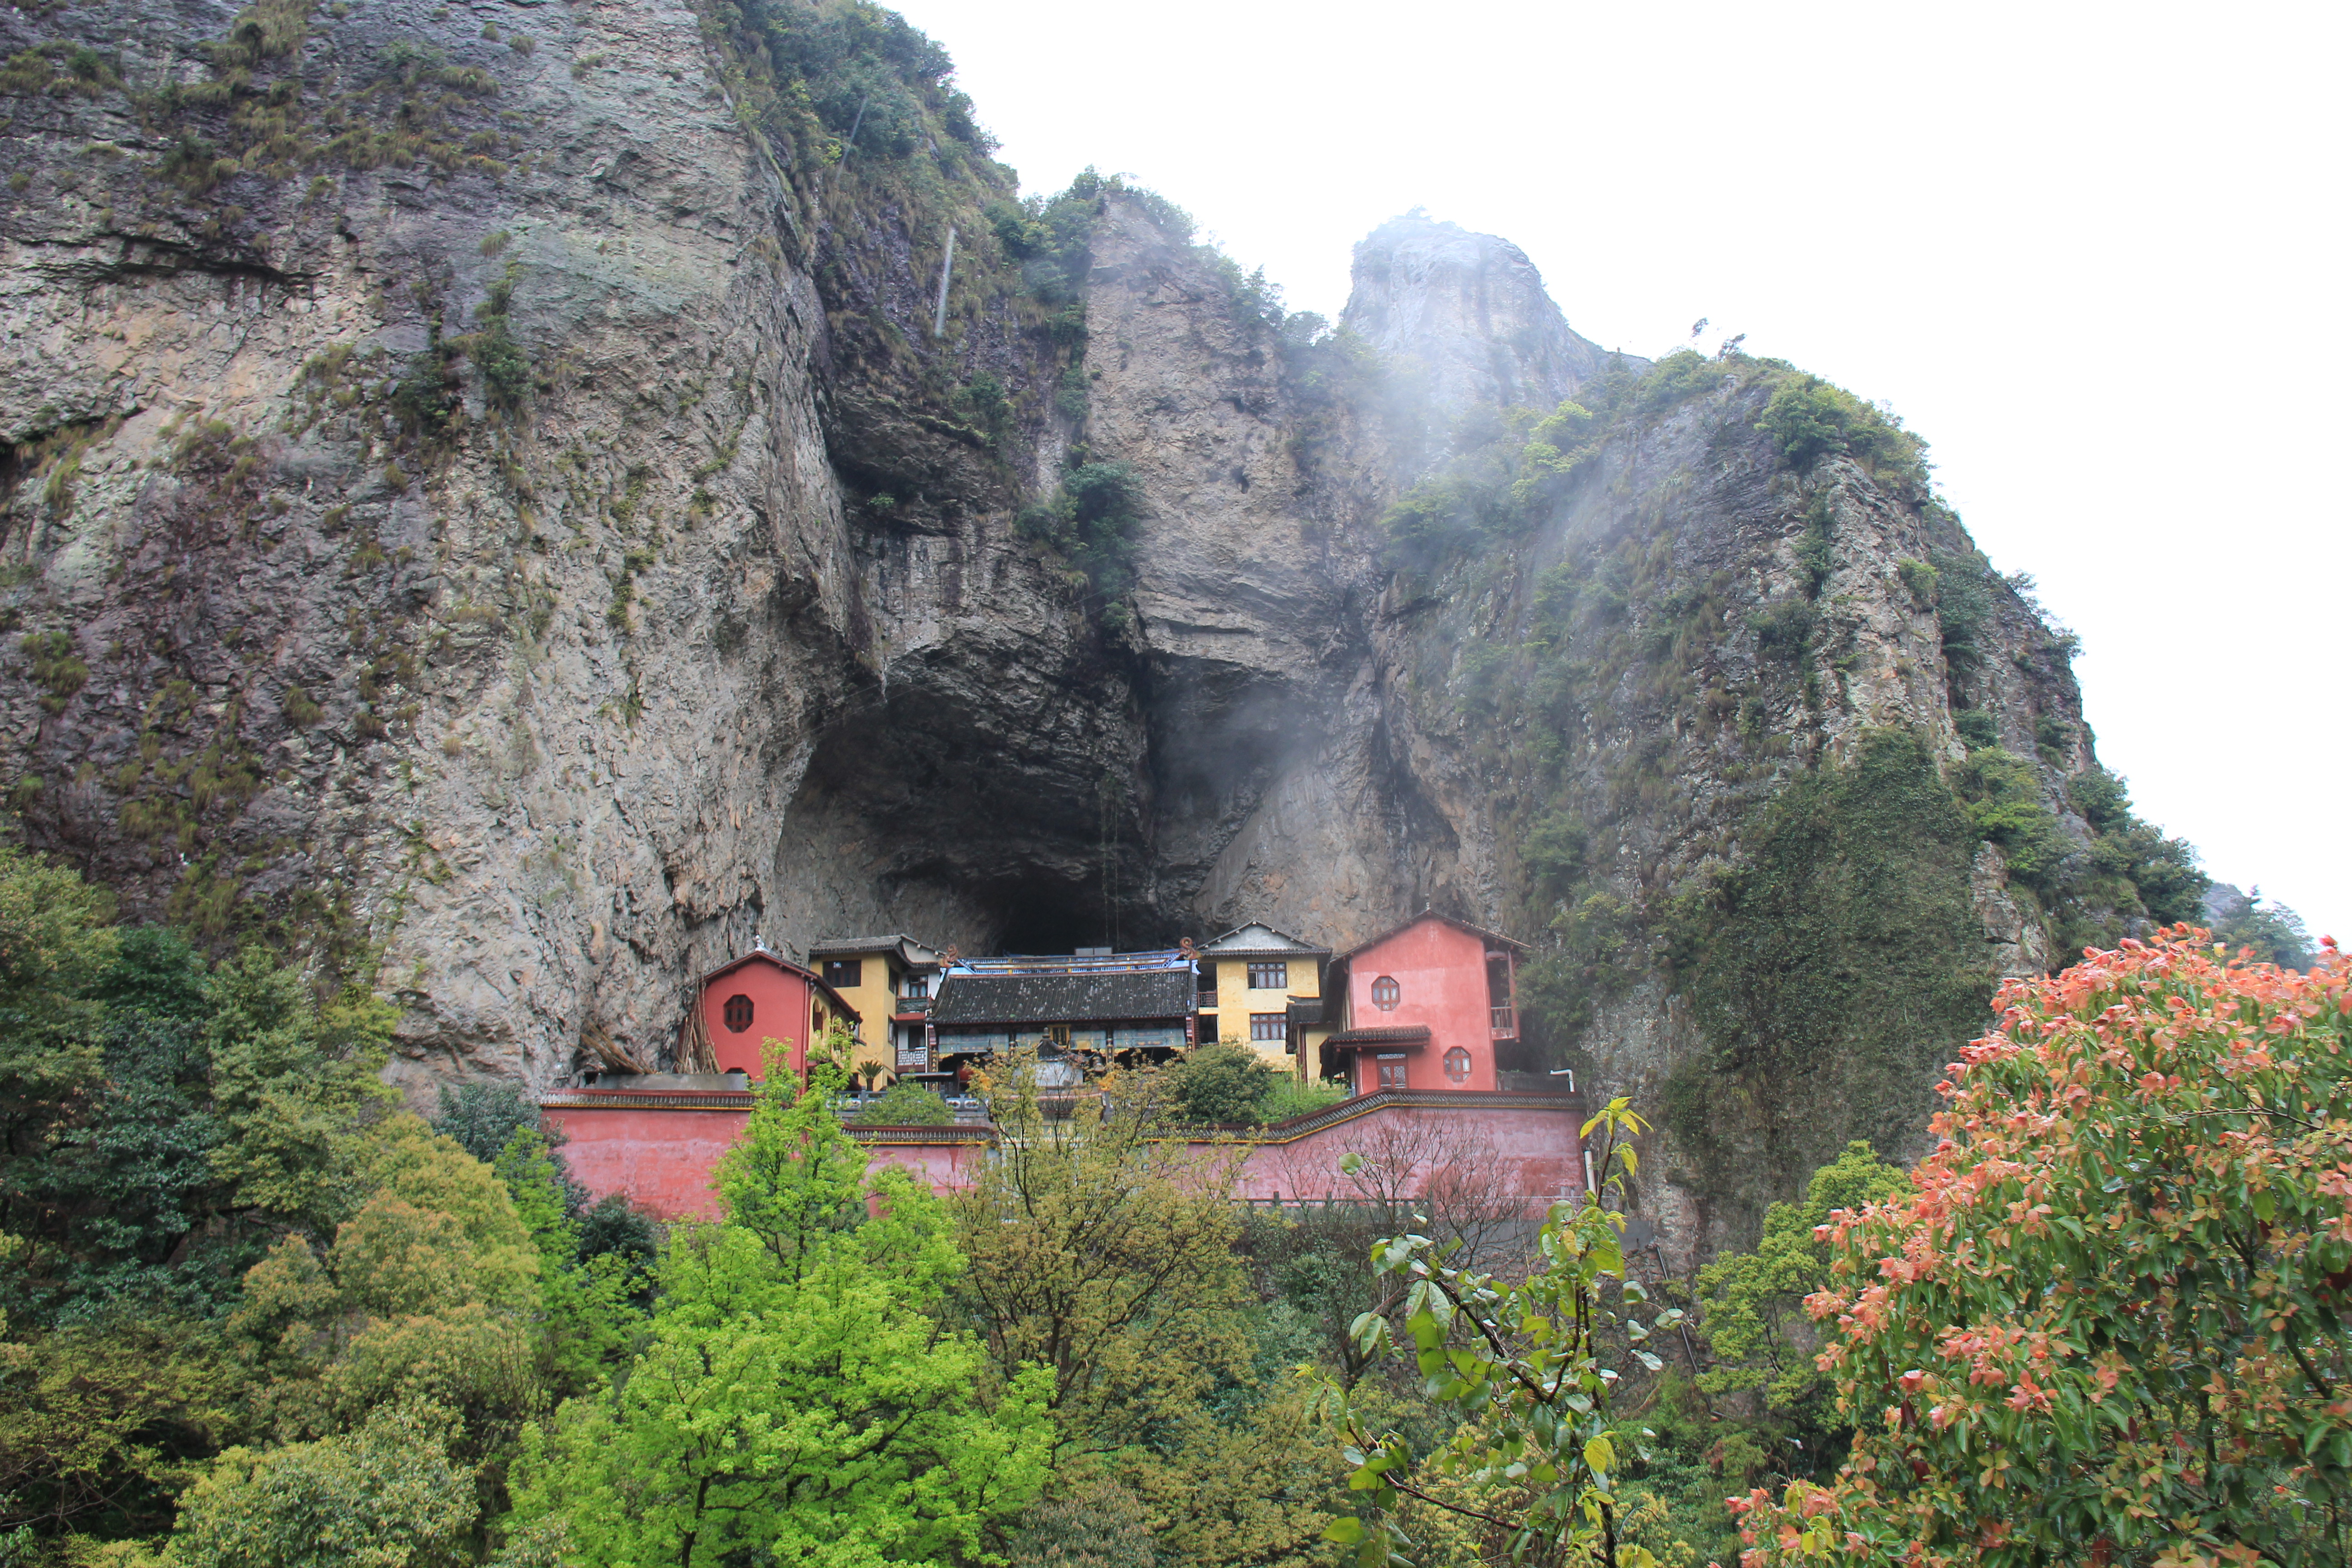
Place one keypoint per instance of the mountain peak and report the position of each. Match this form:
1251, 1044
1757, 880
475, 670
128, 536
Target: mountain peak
1471, 310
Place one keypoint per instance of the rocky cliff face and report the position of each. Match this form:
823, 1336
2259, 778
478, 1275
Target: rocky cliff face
485, 502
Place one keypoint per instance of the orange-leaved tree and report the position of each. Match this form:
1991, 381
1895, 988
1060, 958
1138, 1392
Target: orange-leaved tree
2110, 1325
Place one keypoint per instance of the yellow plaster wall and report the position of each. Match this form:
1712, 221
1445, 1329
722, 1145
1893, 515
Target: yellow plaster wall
874, 998
1237, 1002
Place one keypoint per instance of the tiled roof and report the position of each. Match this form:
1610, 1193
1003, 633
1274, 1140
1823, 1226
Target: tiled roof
759, 954
1260, 938
1402, 1034
1070, 998
1493, 938
906, 946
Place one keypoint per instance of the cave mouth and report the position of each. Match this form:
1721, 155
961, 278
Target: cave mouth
1047, 922
1048, 914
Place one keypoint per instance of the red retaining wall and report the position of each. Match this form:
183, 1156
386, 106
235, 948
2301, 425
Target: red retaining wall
661, 1150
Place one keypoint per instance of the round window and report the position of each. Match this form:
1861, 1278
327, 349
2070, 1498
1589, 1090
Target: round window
1457, 1065
1385, 992
737, 1012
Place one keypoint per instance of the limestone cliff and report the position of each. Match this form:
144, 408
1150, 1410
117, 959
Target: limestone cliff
494, 499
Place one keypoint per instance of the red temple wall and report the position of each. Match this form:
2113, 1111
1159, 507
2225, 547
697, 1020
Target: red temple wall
662, 1158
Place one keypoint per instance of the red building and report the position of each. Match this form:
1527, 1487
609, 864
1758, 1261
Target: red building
1425, 1006
757, 997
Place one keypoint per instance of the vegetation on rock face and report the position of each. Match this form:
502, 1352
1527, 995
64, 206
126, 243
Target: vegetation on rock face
1832, 970
2273, 932
2108, 1324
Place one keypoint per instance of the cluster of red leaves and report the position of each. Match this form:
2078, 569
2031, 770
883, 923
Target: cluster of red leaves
2110, 1325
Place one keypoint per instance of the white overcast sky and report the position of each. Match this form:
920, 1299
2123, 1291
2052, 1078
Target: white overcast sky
2093, 253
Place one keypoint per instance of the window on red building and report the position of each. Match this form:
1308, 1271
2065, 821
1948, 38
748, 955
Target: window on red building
737, 1012
1457, 1065
1269, 976
1386, 992
1269, 1025
1391, 1071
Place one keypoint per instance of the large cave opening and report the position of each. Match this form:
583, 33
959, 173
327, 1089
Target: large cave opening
951, 812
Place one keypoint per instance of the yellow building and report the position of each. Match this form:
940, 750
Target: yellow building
890, 980
1263, 988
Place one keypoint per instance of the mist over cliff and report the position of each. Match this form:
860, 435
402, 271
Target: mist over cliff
486, 504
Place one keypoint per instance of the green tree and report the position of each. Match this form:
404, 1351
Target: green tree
1533, 1460
385, 1496
587, 1294
55, 945
800, 1399
101, 1424
1104, 1254
1220, 1086
1753, 1302
292, 1082
906, 1104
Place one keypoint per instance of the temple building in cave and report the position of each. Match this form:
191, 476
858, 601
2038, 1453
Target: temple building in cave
1420, 1022
1263, 988
1429, 1006
760, 998
890, 981
1088, 1007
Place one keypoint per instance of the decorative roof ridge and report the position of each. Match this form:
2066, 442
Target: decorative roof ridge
1296, 945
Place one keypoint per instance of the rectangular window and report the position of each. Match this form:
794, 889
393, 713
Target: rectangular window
915, 985
1058, 1033
1269, 1025
1207, 984
1207, 1031
1391, 1071
841, 973
1269, 976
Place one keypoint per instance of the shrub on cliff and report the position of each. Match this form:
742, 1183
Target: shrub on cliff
1090, 521
2110, 1325
1809, 419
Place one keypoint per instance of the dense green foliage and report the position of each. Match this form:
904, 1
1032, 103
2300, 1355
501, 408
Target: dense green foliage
237, 1285
1809, 419
1845, 955
1107, 1252
1222, 1085
906, 1104
799, 1396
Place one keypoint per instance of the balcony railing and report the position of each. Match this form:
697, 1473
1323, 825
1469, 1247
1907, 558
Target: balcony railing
1503, 1023
911, 1004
